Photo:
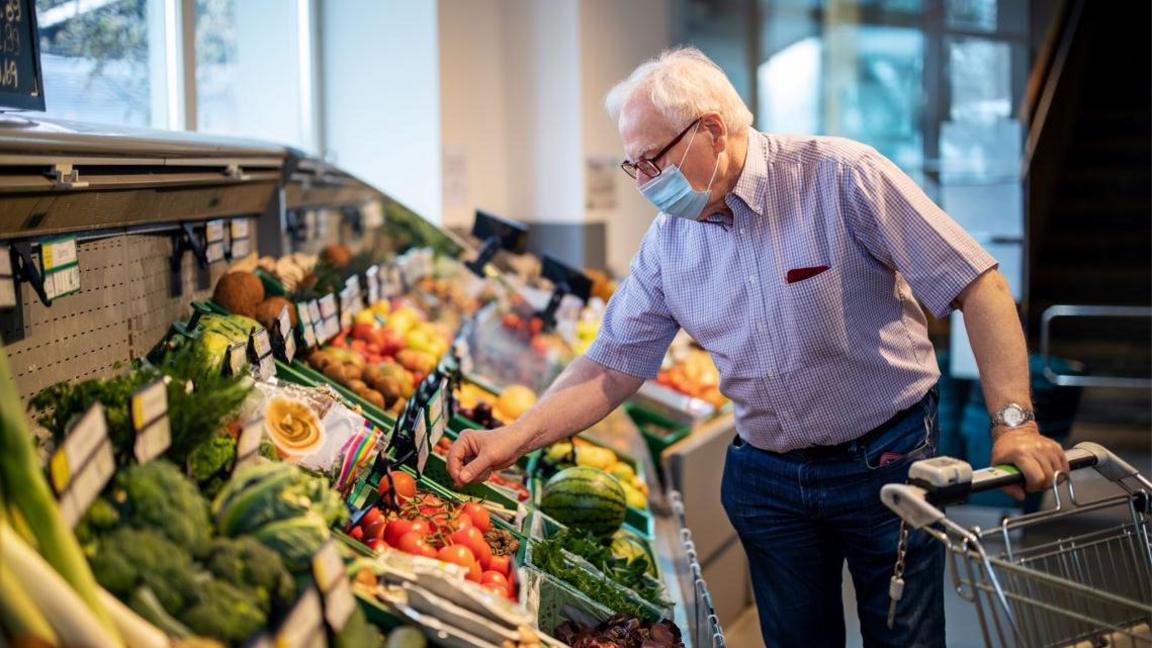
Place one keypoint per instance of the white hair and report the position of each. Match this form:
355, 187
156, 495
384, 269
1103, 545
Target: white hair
682, 84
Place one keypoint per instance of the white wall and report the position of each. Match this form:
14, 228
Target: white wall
381, 83
522, 88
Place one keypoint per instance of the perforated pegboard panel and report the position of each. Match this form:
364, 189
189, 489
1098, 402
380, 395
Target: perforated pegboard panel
123, 309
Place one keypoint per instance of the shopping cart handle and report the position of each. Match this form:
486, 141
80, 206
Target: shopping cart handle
911, 504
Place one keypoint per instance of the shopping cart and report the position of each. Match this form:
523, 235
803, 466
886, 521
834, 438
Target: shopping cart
1033, 582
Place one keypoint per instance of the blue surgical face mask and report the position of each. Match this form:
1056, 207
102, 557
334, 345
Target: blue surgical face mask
671, 192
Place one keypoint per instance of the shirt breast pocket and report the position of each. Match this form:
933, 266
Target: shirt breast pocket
818, 329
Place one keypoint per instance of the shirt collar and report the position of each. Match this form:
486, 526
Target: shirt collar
750, 184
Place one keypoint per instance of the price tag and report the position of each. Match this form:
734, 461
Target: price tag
372, 280
328, 570
241, 248
304, 625
304, 320
420, 438
239, 227
150, 421
286, 342
436, 404
7, 287
214, 231
60, 266
347, 307
82, 465
234, 359
260, 345
328, 306
248, 445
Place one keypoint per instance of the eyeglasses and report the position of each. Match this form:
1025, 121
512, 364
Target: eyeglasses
647, 166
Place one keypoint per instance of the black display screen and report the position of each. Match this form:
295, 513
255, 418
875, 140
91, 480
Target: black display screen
21, 79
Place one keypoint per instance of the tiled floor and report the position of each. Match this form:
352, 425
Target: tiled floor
963, 628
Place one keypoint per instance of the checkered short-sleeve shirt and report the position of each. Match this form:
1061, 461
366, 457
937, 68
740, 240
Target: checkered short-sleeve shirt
805, 296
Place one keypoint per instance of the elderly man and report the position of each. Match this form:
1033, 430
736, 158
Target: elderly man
797, 262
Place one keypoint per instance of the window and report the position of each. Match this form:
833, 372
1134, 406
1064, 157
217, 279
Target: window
252, 70
99, 60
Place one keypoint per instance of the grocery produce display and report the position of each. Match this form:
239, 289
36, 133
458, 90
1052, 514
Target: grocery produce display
693, 373
264, 474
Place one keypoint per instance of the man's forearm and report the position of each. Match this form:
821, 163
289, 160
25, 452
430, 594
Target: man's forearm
997, 341
585, 393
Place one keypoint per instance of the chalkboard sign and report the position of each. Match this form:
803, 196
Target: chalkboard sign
21, 80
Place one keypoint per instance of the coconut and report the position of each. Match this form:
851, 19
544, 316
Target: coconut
239, 292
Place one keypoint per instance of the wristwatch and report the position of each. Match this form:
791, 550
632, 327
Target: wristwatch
1012, 415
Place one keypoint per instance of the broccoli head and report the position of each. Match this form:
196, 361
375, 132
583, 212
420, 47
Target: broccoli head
210, 461
248, 564
156, 495
224, 612
128, 558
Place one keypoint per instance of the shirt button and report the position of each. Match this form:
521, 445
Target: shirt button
759, 326
771, 373
741, 230
752, 280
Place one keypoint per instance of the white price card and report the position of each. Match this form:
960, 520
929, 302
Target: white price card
239, 228
304, 319
248, 445
235, 359
287, 338
7, 287
215, 251
261, 346
82, 465
150, 421
328, 571
304, 624
241, 248
214, 231
328, 306
420, 439
372, 279
61, 268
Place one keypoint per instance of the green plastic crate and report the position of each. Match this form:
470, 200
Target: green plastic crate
657, 444
554, 596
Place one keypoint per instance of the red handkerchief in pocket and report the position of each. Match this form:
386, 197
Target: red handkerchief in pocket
800, 274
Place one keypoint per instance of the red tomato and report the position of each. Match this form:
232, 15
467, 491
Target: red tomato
370, 515
499, 590
501, 564
474, 573
374, 529
376, 544
458, 554
459, 523
471, 538
414, 543
484, 556
398, 527
405, 484
480, 517
357, 532
493, 577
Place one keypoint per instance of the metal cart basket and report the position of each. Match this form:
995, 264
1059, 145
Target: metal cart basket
1078, 583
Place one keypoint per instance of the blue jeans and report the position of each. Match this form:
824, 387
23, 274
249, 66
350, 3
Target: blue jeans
801, 514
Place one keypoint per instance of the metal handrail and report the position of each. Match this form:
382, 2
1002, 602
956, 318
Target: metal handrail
1065, 310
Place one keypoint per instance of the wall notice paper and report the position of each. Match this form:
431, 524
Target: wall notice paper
600, 182
455, 177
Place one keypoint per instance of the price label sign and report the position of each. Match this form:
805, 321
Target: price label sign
150, 421
7, 287
241, 248
336, 594
60, 266
214, 235
248, 445
372, 280
235, 359
239, 228
304, 625
328, 306
420, 438
304, 320
260, 353
286, 342
82, 465
241, 243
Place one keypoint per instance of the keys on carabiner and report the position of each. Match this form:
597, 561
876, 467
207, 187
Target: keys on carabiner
895, 593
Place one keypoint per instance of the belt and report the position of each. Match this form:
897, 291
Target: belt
848, 447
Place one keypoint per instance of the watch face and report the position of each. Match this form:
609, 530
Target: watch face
1013, 415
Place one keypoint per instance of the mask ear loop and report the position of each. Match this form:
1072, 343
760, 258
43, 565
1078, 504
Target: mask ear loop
691, 141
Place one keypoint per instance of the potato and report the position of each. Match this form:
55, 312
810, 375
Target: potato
374, 397
355, 385
352, 372
335, 371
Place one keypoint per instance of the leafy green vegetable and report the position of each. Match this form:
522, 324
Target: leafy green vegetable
224, 612
156, 495
58, 404
296, 539
265, 493
632, 574
246, 563
145, 603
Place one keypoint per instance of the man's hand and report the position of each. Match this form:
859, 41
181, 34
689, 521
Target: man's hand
476, 453
1038, 457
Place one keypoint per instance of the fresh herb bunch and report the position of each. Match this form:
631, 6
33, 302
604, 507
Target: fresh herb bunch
632, 574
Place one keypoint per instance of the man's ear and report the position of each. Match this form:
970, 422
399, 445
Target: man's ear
714, 124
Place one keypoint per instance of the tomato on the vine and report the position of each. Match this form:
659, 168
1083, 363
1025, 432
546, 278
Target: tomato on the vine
405, 484
481, 519
496, 589
399, 527
457, 554
414, 543
493, 577
501, 564
471, 538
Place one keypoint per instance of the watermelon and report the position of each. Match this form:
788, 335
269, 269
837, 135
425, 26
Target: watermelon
585, 498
